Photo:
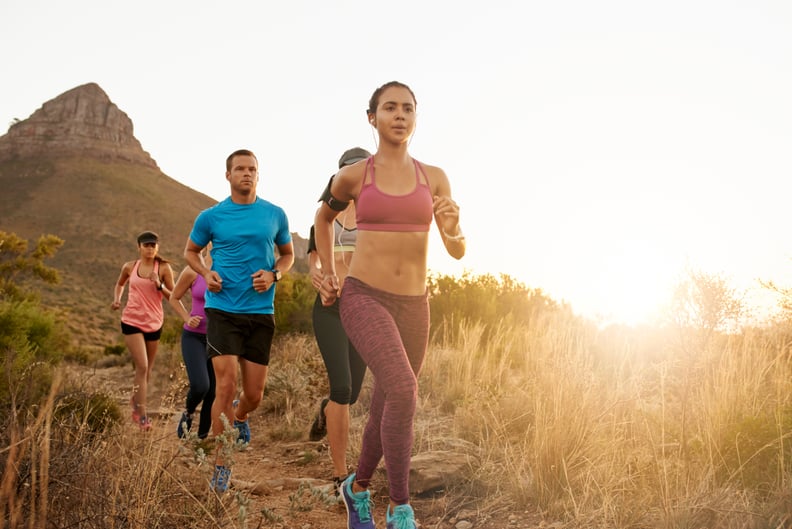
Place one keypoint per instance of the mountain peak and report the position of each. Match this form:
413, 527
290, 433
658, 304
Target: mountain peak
82, 121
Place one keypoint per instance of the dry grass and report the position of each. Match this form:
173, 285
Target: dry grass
587, 427
66, 468
569, 419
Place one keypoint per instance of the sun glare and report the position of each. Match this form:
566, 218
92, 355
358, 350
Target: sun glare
632, 284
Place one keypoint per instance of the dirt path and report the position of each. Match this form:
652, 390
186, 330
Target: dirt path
286, 483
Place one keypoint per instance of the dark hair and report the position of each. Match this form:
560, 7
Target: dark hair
240, 152
374, 101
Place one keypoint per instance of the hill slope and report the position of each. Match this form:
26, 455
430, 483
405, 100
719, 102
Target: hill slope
75, 170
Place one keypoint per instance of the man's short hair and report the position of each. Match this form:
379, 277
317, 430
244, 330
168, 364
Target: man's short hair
240, 152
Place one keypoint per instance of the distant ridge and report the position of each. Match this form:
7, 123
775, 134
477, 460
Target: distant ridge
75, 169
82, 121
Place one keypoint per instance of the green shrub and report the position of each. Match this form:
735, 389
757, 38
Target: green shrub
31, 344
294, 299
116, 349
485, 299
171, 330
84, 355
98, 412
751, 452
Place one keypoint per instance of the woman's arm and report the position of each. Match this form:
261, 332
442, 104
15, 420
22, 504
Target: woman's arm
183, 284
166, 280
342, 190
446, 213
118, 288
323, 232
314, 265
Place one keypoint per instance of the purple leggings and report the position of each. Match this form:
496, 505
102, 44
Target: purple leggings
390, 332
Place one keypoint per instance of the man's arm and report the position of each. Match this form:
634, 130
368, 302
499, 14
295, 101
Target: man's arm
192, 254
285, 257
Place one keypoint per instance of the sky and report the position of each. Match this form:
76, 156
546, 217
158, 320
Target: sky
597, 149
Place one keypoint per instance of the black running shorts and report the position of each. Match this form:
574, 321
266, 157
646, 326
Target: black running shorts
248, 336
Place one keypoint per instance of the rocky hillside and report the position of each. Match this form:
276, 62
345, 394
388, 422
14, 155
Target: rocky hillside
81, 122
75, 169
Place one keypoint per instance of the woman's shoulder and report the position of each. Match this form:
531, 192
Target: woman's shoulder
187, 274
427, 166
355, 171
434, 174
350, 178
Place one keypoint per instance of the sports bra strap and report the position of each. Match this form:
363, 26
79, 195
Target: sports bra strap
418, 169
369, 163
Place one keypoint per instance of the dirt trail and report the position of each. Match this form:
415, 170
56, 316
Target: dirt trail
287, 482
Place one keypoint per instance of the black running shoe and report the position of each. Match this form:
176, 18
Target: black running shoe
185, 423
319, 426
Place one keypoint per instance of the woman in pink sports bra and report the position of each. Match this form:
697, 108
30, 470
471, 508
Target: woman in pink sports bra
384, 306
150, 279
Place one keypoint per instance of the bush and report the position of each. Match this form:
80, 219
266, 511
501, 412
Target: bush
485, 299
294, 299
116, 349
97, 412
750, 449
31, 344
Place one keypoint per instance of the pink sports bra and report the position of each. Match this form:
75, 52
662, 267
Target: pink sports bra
378, 211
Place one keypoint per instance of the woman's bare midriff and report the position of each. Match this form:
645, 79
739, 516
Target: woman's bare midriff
391, 261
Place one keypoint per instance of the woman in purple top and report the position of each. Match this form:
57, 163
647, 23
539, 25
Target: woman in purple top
193, 343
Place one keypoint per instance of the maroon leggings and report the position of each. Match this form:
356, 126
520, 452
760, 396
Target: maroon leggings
390, 332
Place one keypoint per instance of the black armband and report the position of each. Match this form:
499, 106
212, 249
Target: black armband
311, 241
328, 198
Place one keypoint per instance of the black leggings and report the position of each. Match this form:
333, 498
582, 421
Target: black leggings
345, 368
201, 376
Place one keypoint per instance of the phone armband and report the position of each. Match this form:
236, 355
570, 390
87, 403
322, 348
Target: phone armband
328, 198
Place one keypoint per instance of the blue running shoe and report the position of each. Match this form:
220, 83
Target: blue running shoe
358, 505
402, 518
242, 426
220, 479
185, 423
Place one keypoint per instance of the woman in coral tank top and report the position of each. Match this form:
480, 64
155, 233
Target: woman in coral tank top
150, 279
383, 305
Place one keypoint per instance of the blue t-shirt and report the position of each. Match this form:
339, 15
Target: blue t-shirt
243, 237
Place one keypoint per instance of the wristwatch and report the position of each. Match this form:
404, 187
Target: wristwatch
277, 275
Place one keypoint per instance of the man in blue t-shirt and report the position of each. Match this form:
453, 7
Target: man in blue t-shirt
245, 231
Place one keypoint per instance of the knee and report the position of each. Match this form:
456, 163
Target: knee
405, 390
200, 388
224, 388
253, 399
